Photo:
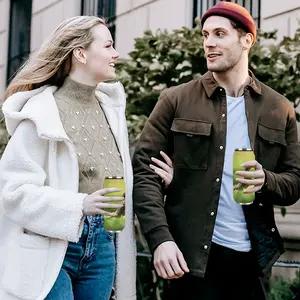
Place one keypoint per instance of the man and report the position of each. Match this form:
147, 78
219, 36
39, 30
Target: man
209, 245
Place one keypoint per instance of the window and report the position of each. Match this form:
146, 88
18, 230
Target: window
101, 8
89, 7
253, 6
19, 35
107, 9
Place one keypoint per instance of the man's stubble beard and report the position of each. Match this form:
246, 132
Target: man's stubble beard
225, 67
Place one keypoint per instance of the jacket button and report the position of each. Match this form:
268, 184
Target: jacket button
223, 115
273, 229
221, 147
205, 247
260, 204
212, 213
218, 179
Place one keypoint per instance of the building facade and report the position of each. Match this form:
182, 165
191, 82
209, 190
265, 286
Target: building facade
25, 24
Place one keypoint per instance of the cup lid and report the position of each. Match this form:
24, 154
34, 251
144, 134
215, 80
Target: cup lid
243, 149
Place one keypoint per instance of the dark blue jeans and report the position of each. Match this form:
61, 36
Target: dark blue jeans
89, 266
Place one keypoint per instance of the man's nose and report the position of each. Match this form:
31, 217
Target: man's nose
210, 42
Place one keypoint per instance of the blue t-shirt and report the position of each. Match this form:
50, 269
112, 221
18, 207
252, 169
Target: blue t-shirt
230, 228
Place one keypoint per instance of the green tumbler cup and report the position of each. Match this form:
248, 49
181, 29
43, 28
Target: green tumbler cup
117, 223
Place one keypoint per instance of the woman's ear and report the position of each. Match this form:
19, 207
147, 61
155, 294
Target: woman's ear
80, 55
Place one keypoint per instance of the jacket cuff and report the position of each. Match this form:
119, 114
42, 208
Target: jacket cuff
157, 236
270, 183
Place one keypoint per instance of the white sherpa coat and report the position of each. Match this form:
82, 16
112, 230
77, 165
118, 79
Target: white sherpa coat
40, 207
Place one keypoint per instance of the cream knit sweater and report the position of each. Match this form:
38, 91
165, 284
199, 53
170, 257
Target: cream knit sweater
86, 125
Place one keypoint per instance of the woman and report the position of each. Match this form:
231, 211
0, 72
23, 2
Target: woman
68, 132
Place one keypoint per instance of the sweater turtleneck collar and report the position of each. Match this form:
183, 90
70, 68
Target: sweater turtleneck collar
76, 91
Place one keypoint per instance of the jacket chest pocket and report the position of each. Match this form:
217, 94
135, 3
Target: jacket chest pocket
192, 140
269, 145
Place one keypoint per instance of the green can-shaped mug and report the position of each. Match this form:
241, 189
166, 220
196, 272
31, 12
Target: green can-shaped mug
117, 223
241, 156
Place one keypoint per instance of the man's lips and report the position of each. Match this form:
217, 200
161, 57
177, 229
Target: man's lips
212, 56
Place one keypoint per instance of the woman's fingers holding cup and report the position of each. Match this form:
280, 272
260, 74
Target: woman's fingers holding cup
109, 209
109, 205
105, 213
110, 199
105, 191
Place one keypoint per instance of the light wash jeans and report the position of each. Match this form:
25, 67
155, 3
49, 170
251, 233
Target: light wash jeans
89, 266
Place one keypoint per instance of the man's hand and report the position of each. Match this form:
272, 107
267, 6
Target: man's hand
254, 179
169, 262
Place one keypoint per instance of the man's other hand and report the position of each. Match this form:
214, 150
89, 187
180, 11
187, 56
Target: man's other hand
169, 262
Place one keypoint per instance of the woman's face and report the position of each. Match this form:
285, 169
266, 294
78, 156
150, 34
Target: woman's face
100, 56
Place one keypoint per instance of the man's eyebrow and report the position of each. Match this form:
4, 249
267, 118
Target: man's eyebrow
220, 28
215, 29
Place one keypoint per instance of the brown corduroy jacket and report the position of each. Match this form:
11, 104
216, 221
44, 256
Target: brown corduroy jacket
189, 124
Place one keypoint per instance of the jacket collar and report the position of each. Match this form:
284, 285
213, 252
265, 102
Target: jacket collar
39, 106
210, 84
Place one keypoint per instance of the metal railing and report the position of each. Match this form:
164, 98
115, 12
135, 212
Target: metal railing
287, 264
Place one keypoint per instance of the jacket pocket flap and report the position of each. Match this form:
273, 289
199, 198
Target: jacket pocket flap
33, 241
272, 135
193, 127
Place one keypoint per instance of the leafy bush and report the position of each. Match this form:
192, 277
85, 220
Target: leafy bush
162, 59
285, 289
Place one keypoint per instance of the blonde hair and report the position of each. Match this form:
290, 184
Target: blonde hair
52, 62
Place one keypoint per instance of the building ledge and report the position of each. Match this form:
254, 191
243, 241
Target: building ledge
288, 225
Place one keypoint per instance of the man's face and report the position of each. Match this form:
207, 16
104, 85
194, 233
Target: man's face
222, 44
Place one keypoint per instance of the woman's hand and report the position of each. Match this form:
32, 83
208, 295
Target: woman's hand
96, 203
163, 169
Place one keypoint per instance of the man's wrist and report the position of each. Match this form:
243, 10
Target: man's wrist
264, 186
157, 236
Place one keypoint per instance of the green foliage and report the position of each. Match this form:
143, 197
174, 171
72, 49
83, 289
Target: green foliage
282, 289
164, 59
3, 134
278, 65
283, 211
158, 61
136, 124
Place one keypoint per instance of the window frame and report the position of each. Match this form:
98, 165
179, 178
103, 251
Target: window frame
200, 6
102, 8
15, 41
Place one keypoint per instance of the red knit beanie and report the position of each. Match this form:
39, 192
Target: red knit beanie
234, 12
